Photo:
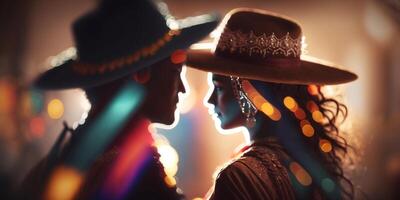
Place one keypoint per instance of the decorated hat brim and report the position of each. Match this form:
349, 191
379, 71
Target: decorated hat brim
65, 77
309, 71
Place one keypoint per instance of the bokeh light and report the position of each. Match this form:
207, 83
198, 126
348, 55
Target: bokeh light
7, 96
109, 123
304, 122
325, 145
300, 114
267, 108
317, 116
290, 103
312, 106
37, 126
178, 56
37, 100
312, 89
55, 109
328, 185
132, 158
64, 183
300, 173
170, 181
169, 157
258, 101
308, 130
276, 115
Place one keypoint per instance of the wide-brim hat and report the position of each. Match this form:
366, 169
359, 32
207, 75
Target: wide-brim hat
260, 45
120, 37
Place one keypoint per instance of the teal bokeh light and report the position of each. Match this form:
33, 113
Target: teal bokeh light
97, 135
37, 100
328, 185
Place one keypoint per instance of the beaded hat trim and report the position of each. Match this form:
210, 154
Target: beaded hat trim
265, 45
91, 69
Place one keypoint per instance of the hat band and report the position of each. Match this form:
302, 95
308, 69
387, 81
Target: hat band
268, 62
83, 68
263, 45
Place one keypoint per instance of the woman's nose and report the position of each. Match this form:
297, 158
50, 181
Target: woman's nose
211, 99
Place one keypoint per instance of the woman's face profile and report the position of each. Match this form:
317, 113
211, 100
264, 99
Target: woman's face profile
226, 106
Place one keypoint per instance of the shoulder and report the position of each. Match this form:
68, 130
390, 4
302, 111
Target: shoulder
246, 169
241, 179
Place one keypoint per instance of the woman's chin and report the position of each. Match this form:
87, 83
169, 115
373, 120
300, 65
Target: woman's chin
228, 126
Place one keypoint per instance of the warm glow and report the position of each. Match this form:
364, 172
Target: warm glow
208, 45
258, 101
130, 162
300, 114
290, 103
170, 181
312, 106
301, 174
312, 89
304, 122
276, 115
267, 108
55, 109
325, 145
7, 96
36, 126
330, 91
317, 116
169, 157
178, 56
308, 130
64, 183
251, 94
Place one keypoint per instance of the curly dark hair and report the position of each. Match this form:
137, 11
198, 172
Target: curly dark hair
333, 113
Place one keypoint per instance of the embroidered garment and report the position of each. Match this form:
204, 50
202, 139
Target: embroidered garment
259, 173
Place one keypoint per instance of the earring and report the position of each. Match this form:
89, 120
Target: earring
246, 106
248, 110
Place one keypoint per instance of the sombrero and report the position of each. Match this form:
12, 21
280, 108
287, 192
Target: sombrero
260, 45
119, 37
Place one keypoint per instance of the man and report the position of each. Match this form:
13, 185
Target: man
128, 62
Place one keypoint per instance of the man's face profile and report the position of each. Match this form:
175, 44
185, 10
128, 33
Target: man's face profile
163, 88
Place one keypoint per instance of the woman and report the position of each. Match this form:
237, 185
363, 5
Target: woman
262, 84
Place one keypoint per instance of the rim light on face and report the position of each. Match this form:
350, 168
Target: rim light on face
217, 121
179, 106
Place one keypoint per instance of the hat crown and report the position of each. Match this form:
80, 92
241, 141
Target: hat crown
253, 34
116, 28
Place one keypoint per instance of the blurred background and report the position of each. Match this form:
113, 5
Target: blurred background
362, 35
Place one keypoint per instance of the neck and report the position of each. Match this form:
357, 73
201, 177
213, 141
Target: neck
264, 128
